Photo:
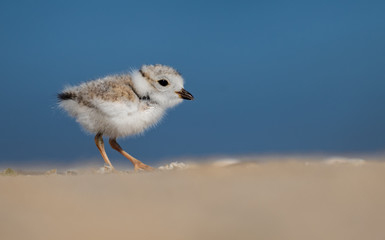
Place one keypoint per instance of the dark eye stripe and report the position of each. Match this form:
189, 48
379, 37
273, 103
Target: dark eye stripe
163, 82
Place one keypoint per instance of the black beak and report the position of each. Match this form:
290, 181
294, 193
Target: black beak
185, 95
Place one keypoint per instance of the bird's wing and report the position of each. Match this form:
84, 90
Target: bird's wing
115, 108
111, 97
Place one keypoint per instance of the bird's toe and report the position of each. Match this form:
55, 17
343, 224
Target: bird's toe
142, 167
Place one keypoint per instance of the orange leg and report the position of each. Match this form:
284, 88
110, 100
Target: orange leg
100, 144
138, 165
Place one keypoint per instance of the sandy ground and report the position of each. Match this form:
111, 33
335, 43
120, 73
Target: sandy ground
271, 200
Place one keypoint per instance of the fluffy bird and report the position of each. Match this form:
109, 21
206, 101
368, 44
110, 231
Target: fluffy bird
123, 105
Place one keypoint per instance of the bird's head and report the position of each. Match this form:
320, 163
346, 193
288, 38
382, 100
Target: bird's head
163, 84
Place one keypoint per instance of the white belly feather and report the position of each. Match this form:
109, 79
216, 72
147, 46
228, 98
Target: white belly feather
114, 119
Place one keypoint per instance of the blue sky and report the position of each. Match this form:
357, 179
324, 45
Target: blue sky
268, 77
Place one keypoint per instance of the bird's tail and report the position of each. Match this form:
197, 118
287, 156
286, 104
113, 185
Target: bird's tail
66, 96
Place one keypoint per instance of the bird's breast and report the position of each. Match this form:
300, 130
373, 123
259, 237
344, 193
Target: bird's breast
136, 122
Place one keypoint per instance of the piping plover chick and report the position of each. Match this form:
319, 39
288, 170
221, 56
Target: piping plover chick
123, 105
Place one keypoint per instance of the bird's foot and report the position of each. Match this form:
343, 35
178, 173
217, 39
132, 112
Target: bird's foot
139, 166
107, 169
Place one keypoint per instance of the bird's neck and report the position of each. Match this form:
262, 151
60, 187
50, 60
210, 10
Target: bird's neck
140, 85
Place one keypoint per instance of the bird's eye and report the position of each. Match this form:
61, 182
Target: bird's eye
163, 82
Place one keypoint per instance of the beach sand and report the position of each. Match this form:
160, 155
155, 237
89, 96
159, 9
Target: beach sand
283, 199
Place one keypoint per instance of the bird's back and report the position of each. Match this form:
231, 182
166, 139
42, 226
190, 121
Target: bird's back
111, 89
